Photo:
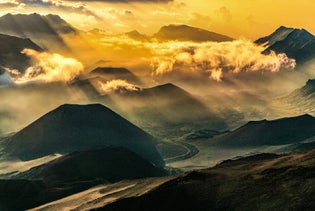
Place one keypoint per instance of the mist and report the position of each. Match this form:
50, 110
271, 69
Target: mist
232, 79
23, 104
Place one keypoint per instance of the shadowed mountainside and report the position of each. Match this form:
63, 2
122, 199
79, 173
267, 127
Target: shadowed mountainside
109, 163
73, 173
276, 132
10, 52
45, 31
295, 43
302, 98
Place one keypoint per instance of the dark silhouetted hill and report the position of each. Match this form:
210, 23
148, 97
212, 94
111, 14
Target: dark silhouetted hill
10, 52
71, 128
276, 132
108, 163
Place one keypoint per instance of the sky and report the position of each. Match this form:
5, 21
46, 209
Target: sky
238, 19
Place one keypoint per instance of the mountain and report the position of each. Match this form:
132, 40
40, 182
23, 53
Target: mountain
276, 132
46, 31
188, 33
295, 43
10, 52
137, 35
303, 98
108, 163
73, 173
164, 108
71, 128
114, 73
280, 34
263, 181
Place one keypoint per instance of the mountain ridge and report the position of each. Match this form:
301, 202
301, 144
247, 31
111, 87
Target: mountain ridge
46, 31
295, 43
189, 33
282, 131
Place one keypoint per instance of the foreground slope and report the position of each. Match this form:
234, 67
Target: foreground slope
108, 163
264, 182
73, 173
70, 128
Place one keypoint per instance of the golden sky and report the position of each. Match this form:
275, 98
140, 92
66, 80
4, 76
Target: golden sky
236, 18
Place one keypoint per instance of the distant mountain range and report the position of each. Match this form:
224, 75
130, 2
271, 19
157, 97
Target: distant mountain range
269, 133
137, 35
46, 31
114, 73
10, 52
295, 43
163, 108
188, 33
71, 128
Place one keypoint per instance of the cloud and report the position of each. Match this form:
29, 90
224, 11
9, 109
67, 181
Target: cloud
214, 60
49, 67
131, 1
116, 85
224, 13
76, 7
217, 60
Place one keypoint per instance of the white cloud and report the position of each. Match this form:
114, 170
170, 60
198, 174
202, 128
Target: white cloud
49, 67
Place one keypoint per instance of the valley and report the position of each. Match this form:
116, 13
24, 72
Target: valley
181, 118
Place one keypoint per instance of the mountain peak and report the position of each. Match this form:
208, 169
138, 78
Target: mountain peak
164, 88
301, 34
71, 128
279, 34
284, 28
136, 35
111, 70
183, 32
295, 43
67, 107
